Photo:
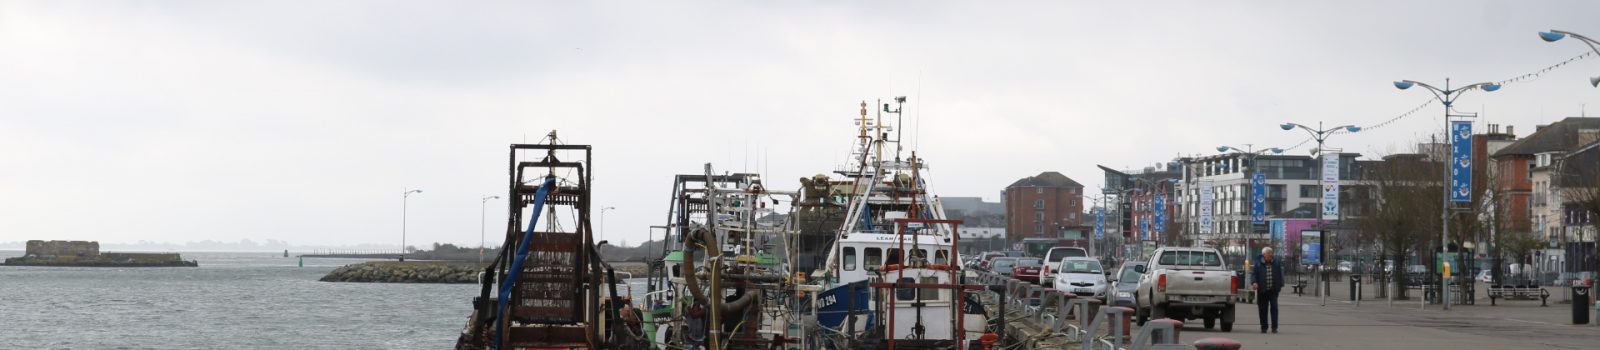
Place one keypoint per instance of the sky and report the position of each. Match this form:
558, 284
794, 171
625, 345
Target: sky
305, 121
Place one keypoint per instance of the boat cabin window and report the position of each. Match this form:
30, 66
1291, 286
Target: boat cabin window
677, 270
850, 258
906, 293
874, 257
928, 293
941, 257
919, 254
894, 257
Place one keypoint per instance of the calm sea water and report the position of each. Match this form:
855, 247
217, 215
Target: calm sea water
233, 300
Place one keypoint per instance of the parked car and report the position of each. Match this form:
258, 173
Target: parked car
1185, 283
1027, 269
1484, 277
1125, 283
1082, 276
1346, 267
1003, 265
984, 260
1053, 257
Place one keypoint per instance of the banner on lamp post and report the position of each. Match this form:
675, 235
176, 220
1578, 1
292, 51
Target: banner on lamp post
1330, 185
1461, 161
1258, 198
1206, 200
1160, 209
1100, 223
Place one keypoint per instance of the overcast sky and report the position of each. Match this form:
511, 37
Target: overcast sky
304, 121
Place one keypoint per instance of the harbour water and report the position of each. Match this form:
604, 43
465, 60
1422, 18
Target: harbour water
233, 300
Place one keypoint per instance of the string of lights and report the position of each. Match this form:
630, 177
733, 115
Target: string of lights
1535, 75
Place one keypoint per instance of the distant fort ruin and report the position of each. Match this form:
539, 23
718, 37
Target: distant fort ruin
87, 253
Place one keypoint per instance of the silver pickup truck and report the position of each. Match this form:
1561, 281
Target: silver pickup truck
1185, 283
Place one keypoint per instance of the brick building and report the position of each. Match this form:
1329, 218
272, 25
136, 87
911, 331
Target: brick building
1524, 169
1042, 206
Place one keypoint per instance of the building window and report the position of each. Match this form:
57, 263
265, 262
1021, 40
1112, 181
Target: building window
1038, 190
1038, 204
1038, 227
1310, 191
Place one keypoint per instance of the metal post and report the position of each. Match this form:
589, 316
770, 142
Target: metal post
1444, 209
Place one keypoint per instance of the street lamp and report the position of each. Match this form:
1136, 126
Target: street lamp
483, 209
1553, 35
1447, 96
1321, 135
603, 221
1250, 170
403, 199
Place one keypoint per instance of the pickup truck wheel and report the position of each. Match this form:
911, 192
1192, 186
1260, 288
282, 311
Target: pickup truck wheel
1211, 322
1227, 326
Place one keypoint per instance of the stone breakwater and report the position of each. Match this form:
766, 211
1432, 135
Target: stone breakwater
407, 272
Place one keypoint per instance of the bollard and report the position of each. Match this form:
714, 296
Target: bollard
988, 340
1217, 344
1177, 328
1117, 317
1125, 316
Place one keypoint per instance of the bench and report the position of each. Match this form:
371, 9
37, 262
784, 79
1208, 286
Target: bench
1299, 287
1514, 292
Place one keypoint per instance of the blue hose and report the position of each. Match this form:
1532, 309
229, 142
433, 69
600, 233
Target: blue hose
522, 254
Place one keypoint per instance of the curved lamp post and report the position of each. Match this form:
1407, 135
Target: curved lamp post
1250, 153
482, 210
403, 199
1321, 135
1554, 35
1448, 96
603, 221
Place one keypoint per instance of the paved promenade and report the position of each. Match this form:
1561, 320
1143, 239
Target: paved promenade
1307, 325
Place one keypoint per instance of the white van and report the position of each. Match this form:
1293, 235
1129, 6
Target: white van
1052, 260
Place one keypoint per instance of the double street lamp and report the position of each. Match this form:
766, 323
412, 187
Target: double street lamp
1553, 35
403, 199
1250, 154
1447, 96
483, 209
1321, 135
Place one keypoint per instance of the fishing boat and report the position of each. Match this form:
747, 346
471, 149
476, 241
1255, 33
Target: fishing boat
892, 277
548, 287
722, 280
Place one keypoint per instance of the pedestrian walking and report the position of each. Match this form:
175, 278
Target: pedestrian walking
1267, 280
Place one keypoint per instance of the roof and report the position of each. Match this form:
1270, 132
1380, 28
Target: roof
1046, 179
1561, 136
1579, 166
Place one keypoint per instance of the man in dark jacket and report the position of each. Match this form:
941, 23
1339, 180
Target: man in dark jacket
1267, 281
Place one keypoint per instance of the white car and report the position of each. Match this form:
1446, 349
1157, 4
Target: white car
1185, 283
1081, 276
1047, 276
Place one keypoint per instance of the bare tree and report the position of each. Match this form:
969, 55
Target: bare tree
1407, 189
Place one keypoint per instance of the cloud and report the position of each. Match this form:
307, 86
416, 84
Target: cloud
303, 122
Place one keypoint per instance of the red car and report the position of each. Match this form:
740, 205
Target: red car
1027, 273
